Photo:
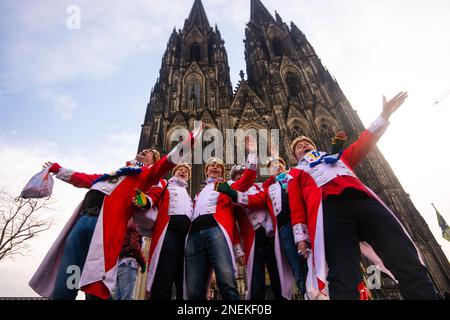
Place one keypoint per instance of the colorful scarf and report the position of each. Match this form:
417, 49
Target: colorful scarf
326, 158
282, 178
125, 171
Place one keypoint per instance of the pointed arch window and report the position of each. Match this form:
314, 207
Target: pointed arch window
194, 94
277, 46
293, 84
195, 52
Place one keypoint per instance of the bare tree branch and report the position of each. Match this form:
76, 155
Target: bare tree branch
20, 220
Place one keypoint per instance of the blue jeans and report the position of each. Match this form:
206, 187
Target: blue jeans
205, 249
72, 262
297, 263
126, 279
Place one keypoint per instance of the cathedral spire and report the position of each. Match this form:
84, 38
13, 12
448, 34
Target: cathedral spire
259, 13
197, 16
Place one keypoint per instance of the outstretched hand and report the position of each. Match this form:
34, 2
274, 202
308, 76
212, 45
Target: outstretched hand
338, 142
197, 131
47, 164
251, 145
389, 107
53, 166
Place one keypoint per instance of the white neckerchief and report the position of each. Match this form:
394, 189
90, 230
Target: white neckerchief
212, 180
179, 182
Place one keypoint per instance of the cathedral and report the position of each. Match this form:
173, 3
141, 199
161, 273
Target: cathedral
287, 88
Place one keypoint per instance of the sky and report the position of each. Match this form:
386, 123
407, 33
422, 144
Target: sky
78, 96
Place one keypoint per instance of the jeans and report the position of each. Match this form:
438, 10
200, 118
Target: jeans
72, 262
297, 263
170, 266
264, 256
208, 249
126, 280
352, 217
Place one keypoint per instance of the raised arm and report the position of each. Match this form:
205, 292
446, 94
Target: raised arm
254, 201
77, 179
359, 150
154, 173
249, 176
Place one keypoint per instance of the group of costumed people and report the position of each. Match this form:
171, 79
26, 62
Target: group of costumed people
306, 226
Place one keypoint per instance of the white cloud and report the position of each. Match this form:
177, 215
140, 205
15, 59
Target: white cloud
62, 103
21, 160
41, 50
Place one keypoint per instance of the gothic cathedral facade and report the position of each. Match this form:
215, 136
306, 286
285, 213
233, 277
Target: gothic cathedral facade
287, 88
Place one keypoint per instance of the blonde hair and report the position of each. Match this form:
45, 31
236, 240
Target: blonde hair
183, 165
300, 139
156, 154
217, 161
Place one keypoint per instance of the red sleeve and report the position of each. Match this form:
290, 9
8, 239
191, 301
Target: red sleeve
359, 150
297, 202
154, 173
155, 193
245, 182
257, 201
268, 182
83, 180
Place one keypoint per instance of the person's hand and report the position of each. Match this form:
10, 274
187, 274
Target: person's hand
241, 261
224, 188
302, 248
389, 107
341, 135
53, 166
251, 145
196, 133
140, 200
338, 142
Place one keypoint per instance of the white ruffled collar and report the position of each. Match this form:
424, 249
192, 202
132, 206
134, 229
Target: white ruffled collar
213, 180
180, 182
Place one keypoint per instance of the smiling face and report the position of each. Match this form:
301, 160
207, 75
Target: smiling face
145, 156
302, 148
214, 171
182, 173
